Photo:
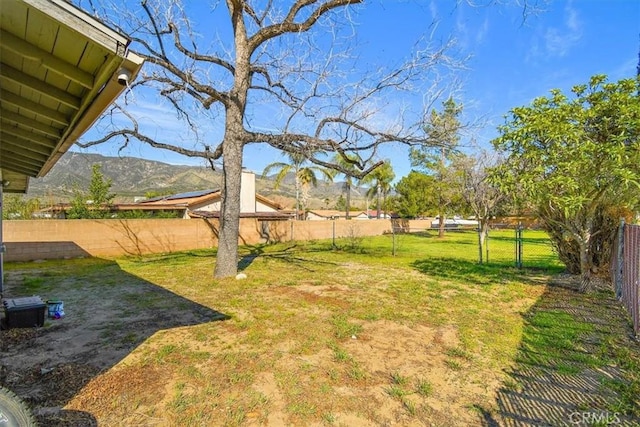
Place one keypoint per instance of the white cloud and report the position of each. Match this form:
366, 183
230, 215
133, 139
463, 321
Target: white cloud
572, 21
433, 9
155, 114
559, 41
482, 31
462, 30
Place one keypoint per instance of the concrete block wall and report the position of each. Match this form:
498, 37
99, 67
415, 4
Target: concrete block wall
56, 239
59, 239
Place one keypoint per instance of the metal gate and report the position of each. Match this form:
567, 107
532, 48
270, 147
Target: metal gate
519, 247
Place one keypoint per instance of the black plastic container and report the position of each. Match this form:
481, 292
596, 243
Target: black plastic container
26, 312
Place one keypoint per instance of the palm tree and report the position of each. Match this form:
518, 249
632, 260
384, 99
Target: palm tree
305, 176
380, 179
348, 179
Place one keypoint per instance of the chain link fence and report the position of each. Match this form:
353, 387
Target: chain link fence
518, 246
625, 271
506, 245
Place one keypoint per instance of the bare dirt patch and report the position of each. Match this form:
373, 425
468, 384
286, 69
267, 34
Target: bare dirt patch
104, 322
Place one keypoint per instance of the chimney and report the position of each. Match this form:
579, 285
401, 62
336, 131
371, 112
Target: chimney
248, 192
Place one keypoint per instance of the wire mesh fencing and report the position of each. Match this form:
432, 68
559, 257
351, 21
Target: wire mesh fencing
514, 246
625, 270
518, 246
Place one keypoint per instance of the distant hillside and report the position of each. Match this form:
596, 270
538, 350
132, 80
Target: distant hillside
130, 176
134, 177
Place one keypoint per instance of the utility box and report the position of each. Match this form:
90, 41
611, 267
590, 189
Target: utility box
26, 312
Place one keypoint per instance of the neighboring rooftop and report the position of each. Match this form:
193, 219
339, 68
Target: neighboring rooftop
180, 198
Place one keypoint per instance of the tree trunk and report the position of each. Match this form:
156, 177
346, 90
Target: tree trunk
384, 204
348, 199
297, 193
585, 267
440, 178
483, 231
227, 258
304, 199
379, 208
232, 147
441, 224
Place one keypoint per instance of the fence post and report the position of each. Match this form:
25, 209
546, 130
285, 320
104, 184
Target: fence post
479, 244
519, 245
333, 240
619, 261
393, 238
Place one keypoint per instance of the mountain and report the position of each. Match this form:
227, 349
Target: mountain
131, 177
134, 177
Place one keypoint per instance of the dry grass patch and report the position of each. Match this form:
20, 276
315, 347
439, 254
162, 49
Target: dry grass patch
128, 392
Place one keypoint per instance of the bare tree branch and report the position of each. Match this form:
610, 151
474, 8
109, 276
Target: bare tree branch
125, 135
195, 56
289, 26
157, 31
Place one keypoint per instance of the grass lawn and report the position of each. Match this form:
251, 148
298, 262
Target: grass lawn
318, 335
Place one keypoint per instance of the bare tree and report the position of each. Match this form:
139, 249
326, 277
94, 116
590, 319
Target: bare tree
483, 197
296, 60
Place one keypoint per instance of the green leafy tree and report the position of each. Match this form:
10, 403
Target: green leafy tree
97, 201
100, 187
158, 193
16, 206
380, 180
139, 214
414, 195
79, 207
577, 159
304, 175
438, 156
134, 214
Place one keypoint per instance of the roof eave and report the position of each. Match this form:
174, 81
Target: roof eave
96, 104
103, 91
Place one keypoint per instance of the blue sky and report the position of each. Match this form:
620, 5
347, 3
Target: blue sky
510, 61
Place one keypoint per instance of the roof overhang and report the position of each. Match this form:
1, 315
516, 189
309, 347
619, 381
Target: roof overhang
59, 73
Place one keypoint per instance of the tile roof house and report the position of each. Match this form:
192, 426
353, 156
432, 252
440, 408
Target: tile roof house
207, 203
373, 214
198, 204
